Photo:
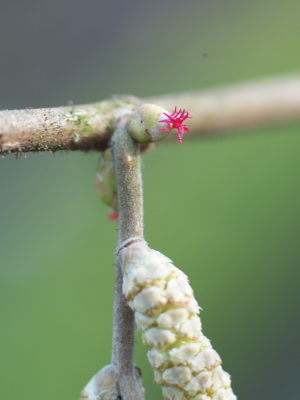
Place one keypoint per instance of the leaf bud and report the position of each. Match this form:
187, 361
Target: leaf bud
145, 125
105, 180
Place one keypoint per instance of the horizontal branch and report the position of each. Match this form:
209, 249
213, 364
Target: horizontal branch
251, 104
264, 102
82, 127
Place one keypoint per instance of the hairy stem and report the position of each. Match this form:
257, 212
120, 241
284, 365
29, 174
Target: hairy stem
83, 127
233, 107
130, 201
129, 184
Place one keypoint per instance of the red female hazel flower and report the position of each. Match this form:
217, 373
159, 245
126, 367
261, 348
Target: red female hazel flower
113, 216
175, 120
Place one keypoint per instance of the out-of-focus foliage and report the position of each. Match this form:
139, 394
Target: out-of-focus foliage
226, 210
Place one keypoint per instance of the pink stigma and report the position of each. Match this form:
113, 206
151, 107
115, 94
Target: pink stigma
113, 216
175, 120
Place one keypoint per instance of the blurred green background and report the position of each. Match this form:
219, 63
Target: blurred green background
226, 210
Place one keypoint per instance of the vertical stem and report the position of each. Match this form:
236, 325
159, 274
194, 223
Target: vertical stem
129, 184
130, 202
123, 344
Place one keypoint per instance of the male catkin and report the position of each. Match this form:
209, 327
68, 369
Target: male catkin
184, 362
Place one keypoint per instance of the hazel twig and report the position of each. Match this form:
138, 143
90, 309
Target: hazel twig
130, 202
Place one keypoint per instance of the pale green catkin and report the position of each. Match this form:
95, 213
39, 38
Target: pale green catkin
184, 362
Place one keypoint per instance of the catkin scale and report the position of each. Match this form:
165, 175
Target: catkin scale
184, 362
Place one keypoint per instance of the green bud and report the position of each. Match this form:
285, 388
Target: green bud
105, 180
106, 169
145, 125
